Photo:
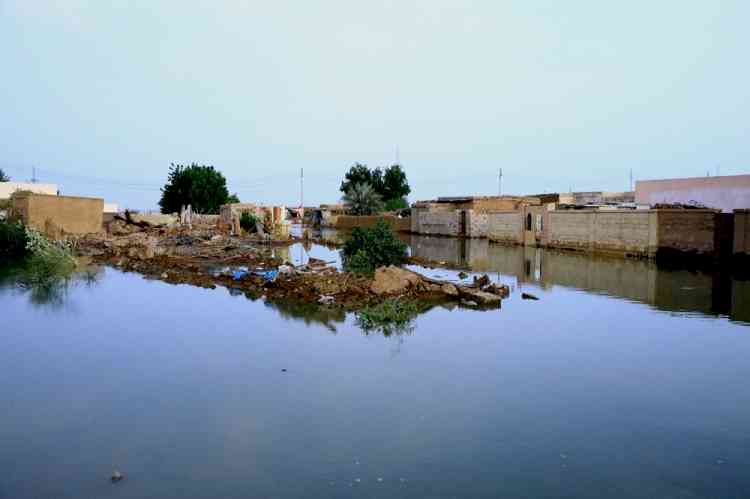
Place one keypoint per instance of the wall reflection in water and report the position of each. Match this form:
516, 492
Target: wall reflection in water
637, 280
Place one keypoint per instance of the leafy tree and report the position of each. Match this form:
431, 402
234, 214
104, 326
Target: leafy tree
390, 184
201, 186
233, 199
361, 199
3, 176
395, 185
368, 249
357, 174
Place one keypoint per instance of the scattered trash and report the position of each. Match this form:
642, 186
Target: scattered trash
326, 299
164, 275
462, 275
528, 296
238, 275
283, 370
380, 479
116, 476
286, 270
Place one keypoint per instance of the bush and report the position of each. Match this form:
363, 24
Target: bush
368, 249
393, 315
13, 239
249, 222
396, 204
48, 262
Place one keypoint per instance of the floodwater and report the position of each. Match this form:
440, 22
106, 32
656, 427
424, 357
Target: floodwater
622, 381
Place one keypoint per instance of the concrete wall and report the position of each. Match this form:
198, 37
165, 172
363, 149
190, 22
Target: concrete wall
428, 221
8, 188
505, 227
622, 232
724, 193
476, 223
60, 215
741, 232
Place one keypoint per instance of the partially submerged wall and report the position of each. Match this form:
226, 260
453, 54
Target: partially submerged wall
60, 215
623, 232
435, 222
505, 227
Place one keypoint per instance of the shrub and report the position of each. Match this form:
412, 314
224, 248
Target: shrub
13, 239
249, 222
392, 315
48, 261
396, 204
368, 249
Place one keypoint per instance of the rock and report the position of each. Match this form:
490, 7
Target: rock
469, 303
164, 275
217, 237
116, 476
393, 280
449, 290
481, 282
528, 296
500, 290
481, 297
462, 275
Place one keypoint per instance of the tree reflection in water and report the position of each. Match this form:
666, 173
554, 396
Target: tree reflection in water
47, 289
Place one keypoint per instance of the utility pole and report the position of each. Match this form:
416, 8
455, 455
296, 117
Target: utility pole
500, 182
631, 179
33, 174
301, 188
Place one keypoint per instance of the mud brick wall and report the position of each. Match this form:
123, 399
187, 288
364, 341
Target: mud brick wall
687, 230
55, 214
348, 222
505, 227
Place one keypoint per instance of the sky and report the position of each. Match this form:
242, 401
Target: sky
101, 97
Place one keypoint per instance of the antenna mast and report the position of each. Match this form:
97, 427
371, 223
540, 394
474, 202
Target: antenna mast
500, 182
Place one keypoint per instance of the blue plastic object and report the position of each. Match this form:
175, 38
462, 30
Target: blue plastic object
239, 274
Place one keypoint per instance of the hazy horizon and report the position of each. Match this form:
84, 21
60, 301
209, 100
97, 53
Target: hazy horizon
102, 98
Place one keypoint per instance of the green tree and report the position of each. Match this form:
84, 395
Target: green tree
3, 176
395, 185
390, 184
201, 186
361, 199
357, 174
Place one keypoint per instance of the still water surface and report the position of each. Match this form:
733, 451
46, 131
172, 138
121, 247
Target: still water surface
622, 381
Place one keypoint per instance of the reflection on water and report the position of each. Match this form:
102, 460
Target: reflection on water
194, 393
51, 292
715, 294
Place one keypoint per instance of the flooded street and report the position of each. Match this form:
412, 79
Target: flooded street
622, 381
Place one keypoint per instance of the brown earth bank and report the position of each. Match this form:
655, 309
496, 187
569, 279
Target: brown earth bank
203, 256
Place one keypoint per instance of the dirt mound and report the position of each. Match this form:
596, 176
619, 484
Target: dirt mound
393, 280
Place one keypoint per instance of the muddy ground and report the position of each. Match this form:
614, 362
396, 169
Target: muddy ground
206, 257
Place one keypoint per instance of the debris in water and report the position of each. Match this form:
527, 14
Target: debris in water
528, 296
283, 370
462, 275
116, 476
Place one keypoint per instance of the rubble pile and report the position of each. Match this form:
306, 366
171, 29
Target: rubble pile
204, 256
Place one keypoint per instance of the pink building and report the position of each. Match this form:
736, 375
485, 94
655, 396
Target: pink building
726, 193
